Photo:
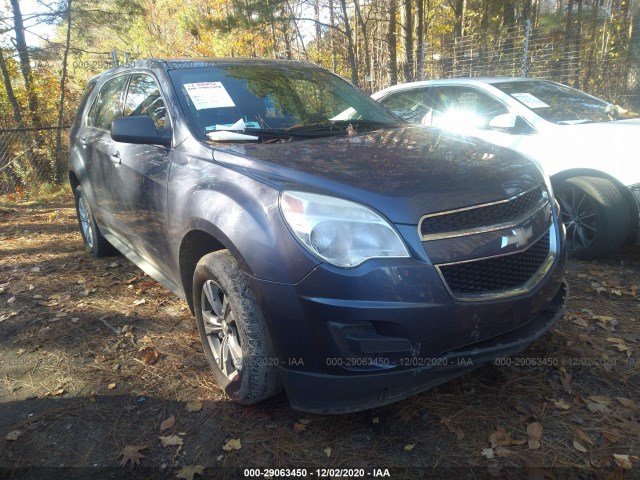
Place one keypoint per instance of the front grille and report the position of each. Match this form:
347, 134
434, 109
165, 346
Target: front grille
498, 273
482, 215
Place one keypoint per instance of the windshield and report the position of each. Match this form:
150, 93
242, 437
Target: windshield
274, 103
561, 104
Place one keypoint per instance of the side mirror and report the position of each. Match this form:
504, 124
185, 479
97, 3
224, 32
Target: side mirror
141, 130
505, 121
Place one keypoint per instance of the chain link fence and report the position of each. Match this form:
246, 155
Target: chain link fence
521, 52
30, 157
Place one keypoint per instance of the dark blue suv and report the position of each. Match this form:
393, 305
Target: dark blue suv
322, 245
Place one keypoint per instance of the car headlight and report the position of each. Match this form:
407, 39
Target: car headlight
340, 232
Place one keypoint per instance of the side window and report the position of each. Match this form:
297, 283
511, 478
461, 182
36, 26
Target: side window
108, 105
410, 105
83, 101
465, 101
143, 98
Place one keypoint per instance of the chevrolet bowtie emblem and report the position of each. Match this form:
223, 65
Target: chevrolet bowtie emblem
518, 236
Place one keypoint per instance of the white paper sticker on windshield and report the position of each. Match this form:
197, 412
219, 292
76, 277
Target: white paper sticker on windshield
530, 100
208, 95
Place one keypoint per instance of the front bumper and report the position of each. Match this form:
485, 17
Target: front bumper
327, 393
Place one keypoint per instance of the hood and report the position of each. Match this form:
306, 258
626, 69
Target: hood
403, 173
610, 147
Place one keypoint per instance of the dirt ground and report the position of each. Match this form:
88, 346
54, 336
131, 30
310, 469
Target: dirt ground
100, 365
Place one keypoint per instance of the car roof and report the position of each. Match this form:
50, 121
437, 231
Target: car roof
182, 63
459, 81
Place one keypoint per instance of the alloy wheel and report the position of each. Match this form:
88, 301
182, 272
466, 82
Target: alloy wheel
580, 218
85, 221
221, 330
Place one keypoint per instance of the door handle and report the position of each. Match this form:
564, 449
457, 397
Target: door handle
115, 158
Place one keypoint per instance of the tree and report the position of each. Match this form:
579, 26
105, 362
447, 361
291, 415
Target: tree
392, 44
6, 77
406, 17
25, 61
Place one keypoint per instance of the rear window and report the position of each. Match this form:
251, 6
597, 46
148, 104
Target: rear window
83, 101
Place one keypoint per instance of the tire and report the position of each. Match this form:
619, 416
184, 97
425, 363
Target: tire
595, 214
237, 346
94, 242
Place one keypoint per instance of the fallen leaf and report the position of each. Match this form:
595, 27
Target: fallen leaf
516, 441
500, 437
561, 404
579, 447
487, 453
194, 406
58, 392
111, 386
623, 461
139, 302
597, 407
131, 453
503, 452
11, 300
612, 435
609, 327
168, 423
187, 473
233, 444
327, 451
581, 321
375, 420
13, 435
566, 383
299, 427
626, 402
534, 430
459, 433
409, 447
172, 441
151, 357
582, 436
600, 399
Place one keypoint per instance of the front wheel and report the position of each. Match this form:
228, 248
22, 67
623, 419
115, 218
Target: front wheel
595, 216
233, 331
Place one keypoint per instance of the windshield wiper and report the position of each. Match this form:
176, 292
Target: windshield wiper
369, 123
575, 122
281, 133
255, 134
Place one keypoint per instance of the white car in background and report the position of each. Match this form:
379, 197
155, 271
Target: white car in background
589, 148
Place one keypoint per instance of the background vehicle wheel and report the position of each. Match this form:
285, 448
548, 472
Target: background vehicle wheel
94, 242
233, 331
595, 215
